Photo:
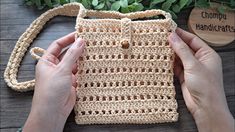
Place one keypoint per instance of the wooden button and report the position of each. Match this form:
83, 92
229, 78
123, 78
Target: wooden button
125, 44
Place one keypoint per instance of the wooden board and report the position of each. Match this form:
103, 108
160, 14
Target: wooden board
15, 106
215, 28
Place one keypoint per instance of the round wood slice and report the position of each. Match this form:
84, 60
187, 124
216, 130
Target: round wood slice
215, 28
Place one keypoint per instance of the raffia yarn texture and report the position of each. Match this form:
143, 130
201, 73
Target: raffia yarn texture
126, 71
125, 74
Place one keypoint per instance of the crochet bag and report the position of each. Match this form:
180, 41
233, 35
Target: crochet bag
126, 70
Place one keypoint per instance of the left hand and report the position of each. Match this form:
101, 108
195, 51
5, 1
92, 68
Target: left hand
55, 95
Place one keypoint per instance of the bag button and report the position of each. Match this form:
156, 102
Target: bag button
125, 44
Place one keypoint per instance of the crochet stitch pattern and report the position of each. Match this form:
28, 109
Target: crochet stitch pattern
125, 74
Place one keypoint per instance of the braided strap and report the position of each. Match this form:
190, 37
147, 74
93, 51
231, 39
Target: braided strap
36, 50
10, 74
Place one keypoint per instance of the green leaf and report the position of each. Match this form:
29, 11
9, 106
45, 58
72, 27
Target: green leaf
221, 9
202, 4
123, 3
176, 8
182, 3
116, 6
108, 4
137, 6
28, 3
131, 1
166, 5
155, 2
232, 3
55, 3
174, 16
125, 10
100, 6
189, 2
63, 2
48, 3
138, 1
85, 3
38, 3
95, 2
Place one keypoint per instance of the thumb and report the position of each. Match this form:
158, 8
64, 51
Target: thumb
73, 53
182, 50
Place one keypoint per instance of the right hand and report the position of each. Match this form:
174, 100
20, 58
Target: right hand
199, 70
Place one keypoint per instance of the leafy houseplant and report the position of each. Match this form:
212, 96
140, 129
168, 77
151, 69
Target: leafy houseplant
125, 6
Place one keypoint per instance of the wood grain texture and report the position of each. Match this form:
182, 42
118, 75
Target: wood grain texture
15, 106
215, 28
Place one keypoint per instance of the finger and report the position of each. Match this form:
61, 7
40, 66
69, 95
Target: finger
182, 50
181, 77
50, 59
73, 96
194, 42
177, 60
74, 81
72, 55
62, 54
177, 68
75, 68
56, 47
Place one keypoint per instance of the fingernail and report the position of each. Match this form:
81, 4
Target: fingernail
174, 37
78, 43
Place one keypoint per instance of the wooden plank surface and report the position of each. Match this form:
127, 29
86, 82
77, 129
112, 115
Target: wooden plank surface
15, 18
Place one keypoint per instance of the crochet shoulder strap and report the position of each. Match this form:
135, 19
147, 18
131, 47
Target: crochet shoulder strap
10, 74
71, 9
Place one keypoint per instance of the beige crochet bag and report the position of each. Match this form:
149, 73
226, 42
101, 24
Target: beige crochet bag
126, 70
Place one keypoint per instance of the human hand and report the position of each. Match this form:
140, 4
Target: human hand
199, 70
55, 95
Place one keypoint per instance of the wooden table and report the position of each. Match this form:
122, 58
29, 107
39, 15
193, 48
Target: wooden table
15, 106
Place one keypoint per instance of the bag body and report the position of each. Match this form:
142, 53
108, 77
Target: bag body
126, 70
